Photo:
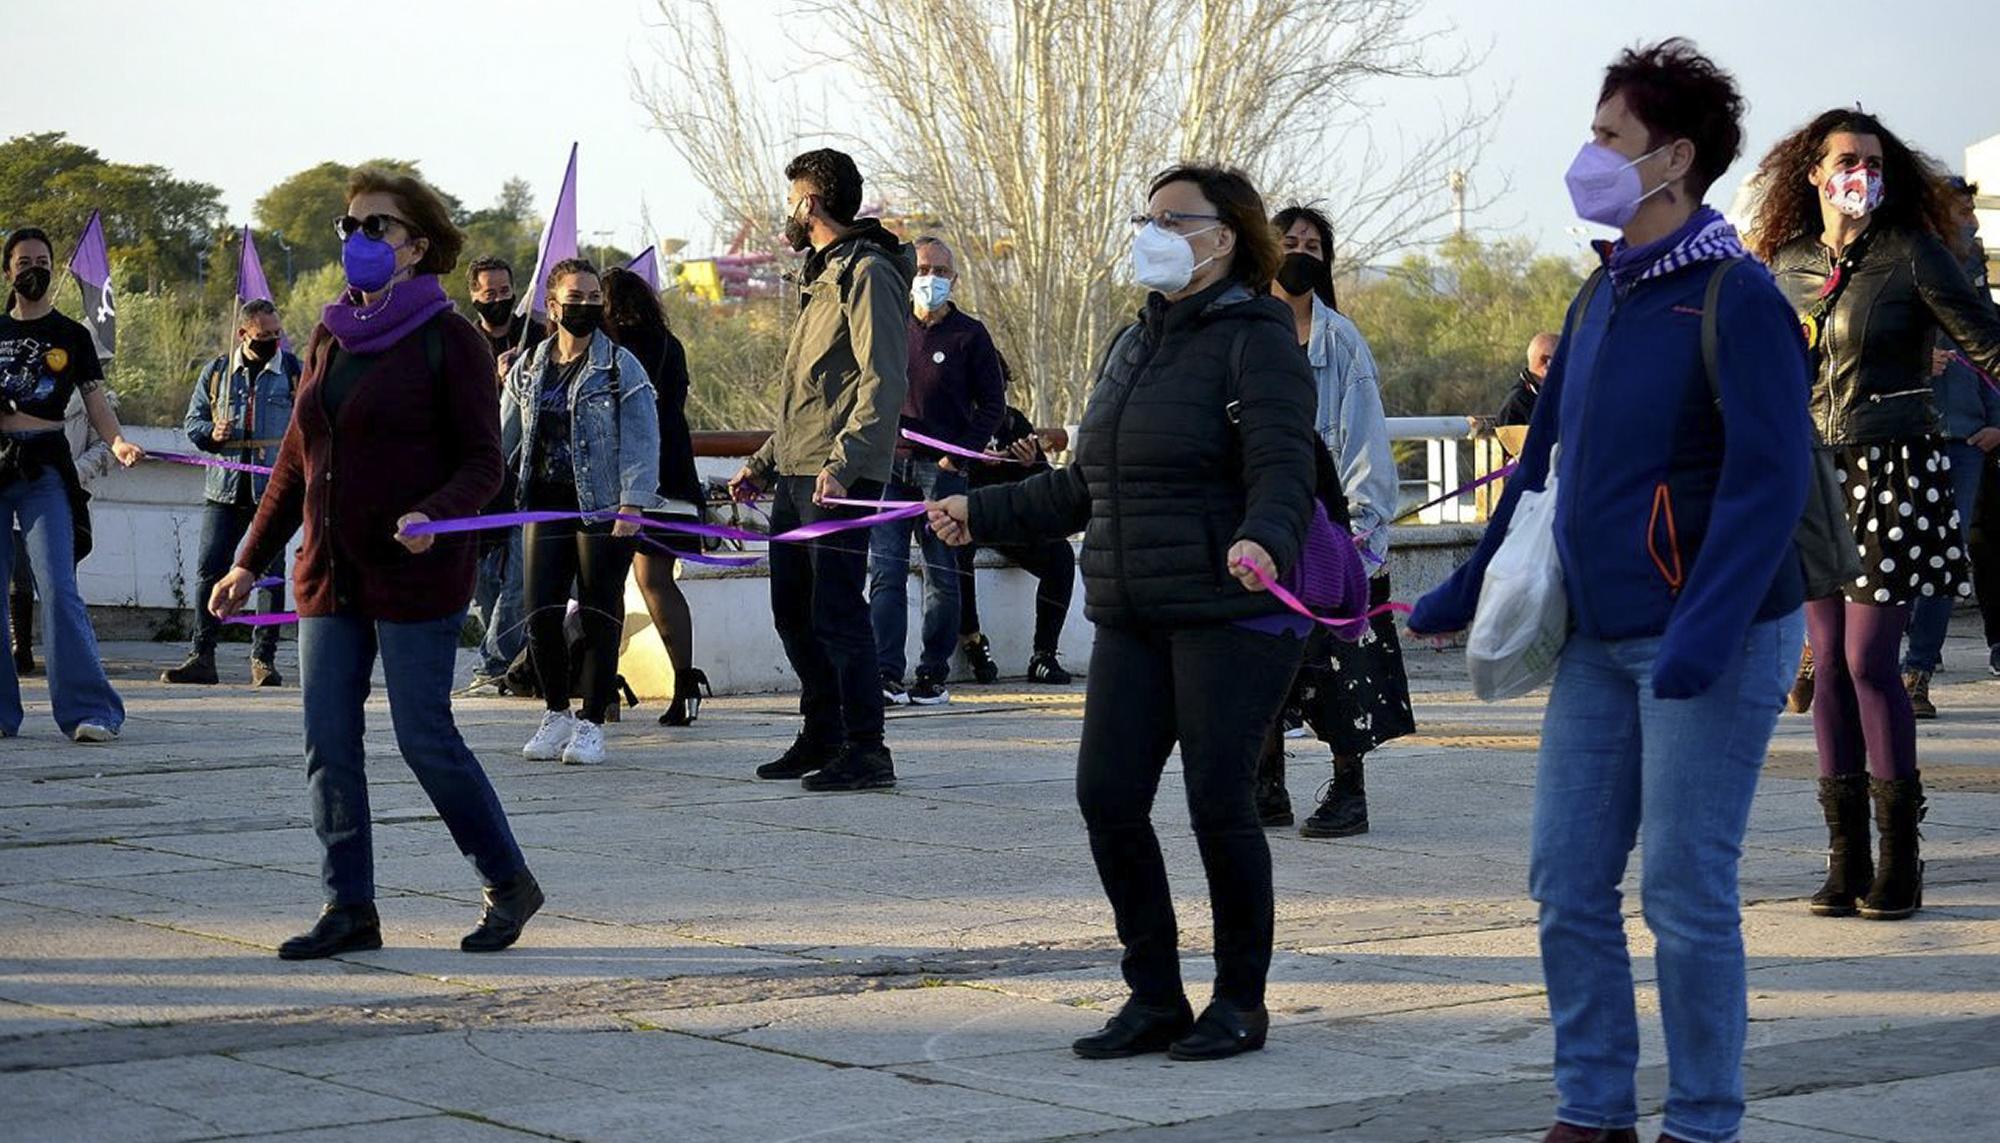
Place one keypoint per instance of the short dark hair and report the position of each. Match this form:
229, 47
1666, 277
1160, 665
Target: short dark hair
1255, 260
485, 264
423, 208
253, 309
834, 178
1678, 93
568, 266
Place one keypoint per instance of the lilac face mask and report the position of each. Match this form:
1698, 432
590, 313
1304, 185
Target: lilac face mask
1854, 193
368, 262
1604, 185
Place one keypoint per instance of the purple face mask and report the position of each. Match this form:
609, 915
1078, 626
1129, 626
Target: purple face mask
1604, 185
368, 262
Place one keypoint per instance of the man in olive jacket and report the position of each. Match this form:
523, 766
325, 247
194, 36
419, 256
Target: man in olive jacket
846, 373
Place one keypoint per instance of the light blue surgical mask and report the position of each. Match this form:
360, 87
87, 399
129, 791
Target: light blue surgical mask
930, 292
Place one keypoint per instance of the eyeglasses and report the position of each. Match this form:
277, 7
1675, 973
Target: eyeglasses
374, 226
1171, 219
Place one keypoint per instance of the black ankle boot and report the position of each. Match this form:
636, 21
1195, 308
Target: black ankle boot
340, 929
689, 686
1849, 865
1274, 802
1223, 1030
508, 908
1898, 890
1343, 803
1138, 1029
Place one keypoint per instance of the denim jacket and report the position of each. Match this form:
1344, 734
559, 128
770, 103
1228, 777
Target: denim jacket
227, 383
615, 454
1353, 426
1966, 401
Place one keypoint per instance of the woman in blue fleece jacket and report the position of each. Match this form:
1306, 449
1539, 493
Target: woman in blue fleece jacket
1678, 496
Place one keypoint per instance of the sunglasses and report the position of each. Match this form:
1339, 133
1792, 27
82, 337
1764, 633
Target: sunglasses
374, 226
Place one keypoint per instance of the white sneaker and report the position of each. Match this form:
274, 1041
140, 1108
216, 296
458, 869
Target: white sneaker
547, 744
93, 732
586, 745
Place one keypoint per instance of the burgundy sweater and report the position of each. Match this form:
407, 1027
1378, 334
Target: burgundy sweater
404, 440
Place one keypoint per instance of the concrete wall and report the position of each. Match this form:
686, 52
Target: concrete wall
148, 530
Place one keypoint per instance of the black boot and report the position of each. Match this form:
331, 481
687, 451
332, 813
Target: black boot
1274, 802
801, 758
1137, 1030
340, 929
861, 767
689, 686
1223, 1030
197, 669
1898, 890
1849, 865
979, 656
22, 615
508, 908
1343, 803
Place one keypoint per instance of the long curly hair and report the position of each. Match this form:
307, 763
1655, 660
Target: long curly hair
1916, 194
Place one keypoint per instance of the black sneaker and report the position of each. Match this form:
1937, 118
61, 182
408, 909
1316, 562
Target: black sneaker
929, 692
1341, 813
1293, 720
860, 768
893, 691
801, 759
979, 656
1993, 660
1043, 668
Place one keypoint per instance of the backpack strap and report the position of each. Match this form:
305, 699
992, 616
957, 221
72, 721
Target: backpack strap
1588, 293
1711, 336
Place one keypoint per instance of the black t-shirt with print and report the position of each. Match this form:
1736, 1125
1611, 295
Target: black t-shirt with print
43, 362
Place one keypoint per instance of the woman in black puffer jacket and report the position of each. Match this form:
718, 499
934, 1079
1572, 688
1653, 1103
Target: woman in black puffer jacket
1194, 461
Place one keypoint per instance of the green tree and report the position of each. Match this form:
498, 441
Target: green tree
1450, 330
156, 226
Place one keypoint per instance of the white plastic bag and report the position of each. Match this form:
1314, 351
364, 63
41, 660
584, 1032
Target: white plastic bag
1522, 620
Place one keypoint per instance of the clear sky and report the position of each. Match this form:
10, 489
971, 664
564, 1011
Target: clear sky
241, 93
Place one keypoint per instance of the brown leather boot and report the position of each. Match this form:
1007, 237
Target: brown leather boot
1800, 700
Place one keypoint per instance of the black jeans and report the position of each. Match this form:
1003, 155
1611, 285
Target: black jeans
1214, 689
222, 529
558, 555
1986, 551
819, 605
1051, 562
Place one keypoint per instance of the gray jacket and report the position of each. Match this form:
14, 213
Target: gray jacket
847, 369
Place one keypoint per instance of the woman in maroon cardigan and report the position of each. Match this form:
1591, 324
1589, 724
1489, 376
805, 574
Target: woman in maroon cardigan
394, 425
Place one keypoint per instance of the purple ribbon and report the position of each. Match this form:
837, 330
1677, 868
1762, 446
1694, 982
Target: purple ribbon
273, 619
1349, 628
268, 582
946, 446
903, 510
207, 462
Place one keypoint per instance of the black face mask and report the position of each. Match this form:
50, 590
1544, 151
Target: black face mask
1300, 274
798, 235
32, 283
495, 313
580, 319
263, 348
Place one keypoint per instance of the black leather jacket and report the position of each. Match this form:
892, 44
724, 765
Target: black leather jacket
1872, 369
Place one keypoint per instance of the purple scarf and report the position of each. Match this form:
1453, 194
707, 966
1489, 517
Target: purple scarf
364, 328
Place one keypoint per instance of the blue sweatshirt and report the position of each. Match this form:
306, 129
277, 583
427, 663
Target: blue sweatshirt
1673, 519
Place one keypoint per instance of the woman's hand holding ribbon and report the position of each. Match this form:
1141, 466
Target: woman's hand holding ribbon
1247, 558
625, 527
417, 544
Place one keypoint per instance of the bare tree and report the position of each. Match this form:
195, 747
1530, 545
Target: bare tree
1030, 127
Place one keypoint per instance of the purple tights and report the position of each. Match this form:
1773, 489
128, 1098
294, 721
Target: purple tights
1861, 713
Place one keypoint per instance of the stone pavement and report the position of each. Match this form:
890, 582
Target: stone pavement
733, 960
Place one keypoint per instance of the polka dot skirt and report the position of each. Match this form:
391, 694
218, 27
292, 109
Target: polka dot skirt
1898, 497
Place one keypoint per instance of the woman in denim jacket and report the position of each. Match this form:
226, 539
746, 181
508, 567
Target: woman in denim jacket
579, 421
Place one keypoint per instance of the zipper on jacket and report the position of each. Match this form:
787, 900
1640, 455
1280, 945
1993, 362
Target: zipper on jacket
1117, 507
1663, 509
1878, 398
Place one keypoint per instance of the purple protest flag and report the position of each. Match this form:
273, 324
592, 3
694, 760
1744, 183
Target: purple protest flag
250, 283
558, 241
91, 265
647, 266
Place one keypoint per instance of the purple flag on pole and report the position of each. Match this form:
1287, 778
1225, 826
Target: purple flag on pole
558, 240
91, 265
647, 266
250, 283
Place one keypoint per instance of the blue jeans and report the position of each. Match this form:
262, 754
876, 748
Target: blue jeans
1930, 617
914, 478
1618, 764
78, 689
497, 597
336, 659
222, 529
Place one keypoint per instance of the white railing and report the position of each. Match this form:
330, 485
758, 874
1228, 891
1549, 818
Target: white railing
1457, 451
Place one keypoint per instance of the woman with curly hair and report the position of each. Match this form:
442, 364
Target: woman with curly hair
1854, 224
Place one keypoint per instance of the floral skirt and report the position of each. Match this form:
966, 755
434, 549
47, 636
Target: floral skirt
1899, 502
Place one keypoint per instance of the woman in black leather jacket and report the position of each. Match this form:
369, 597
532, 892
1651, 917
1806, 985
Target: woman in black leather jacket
1195, 459
1852, 223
